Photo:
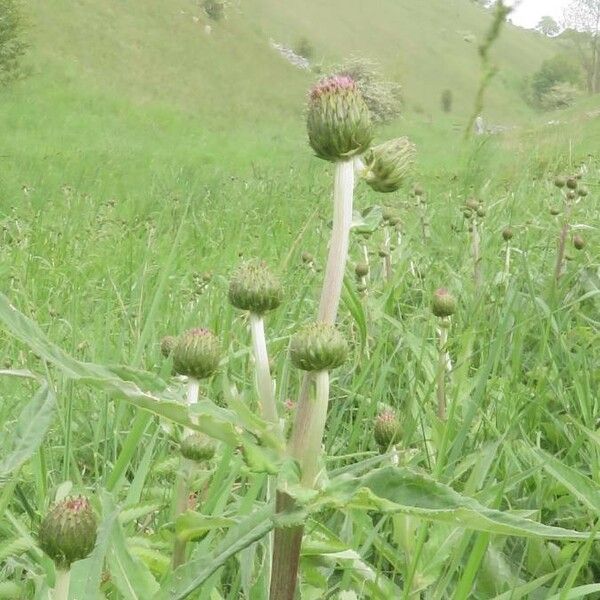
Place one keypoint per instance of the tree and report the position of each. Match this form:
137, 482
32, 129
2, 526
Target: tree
548, 26
12, 48
560, 69
582, 19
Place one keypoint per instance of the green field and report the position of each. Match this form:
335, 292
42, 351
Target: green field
142, 160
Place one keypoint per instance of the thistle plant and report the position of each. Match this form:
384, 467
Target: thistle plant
196, 354
474, 212
443, 306
387, 164
67, 534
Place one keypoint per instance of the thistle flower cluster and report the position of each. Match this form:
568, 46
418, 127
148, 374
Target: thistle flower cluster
254, 288
387, 430
197, 447
318, 347
197, 353
388, 164
443, 303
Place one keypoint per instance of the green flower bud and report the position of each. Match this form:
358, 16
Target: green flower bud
338, 122
582, 191
254, 288
387, 430
167, 345
361, 270
443, 303
572, 183
318, 347
387, 213
472, 204
554, 211
571, 194
560, 182
197, 353
383, 252
307, 258
68, 532
481, 212
418, 190
387, 164
197, 447
467, 214
578, 242
507, 234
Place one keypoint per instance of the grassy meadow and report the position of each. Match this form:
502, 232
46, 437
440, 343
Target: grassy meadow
142, 160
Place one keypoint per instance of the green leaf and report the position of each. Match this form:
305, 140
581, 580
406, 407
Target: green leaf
192, 575
130, 575
400, 490
30, 430
110, 379
192, 525
580, 486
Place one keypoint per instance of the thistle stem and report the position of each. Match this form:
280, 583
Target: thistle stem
264, 383
340, 240
61, 585
181, 505
442, 366
387, 259
507, 262
476, 253
562, 242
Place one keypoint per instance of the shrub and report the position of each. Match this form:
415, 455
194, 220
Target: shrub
383, 97
447, 101
215, 9
561, 69
12, 47
304, 49
560, 95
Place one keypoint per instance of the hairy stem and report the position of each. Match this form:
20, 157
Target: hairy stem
264, 383
182, 494
61, 586
340, 240
441, 370
476, 253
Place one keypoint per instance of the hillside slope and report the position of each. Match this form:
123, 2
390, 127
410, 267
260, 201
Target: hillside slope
159, 52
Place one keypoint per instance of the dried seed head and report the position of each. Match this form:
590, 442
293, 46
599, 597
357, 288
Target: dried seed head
338, 120
68, 532
388, 164
197, 353
254, 288
443, 303
197, 447
318, 347
387, 430
578, 242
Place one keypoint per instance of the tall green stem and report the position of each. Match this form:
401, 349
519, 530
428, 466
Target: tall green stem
562, 242
476, 252
441, 370
311, 415
61, 586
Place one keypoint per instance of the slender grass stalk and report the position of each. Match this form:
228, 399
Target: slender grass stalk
61, 587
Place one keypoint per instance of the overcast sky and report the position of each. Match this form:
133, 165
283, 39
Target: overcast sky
529, 12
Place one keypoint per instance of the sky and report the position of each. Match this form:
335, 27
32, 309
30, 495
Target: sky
529, 12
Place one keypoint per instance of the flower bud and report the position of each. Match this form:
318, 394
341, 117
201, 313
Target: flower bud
571, 194
572, 183
338, 122
418, 190
507, 234
582, 191
197, 447
307, 258
472, 204
387, 164
560, 182
481, 212
318, 347
554, 211
387, 430
254, 288
578, 242
68, 532
443, 303
167, 345
197, 353
361, 270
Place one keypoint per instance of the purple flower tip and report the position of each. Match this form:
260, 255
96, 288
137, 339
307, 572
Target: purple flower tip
332, 84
